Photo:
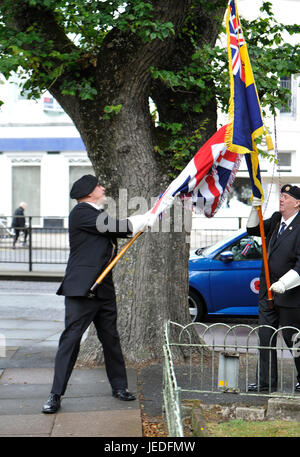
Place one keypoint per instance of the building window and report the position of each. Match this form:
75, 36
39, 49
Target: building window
285, 161
26, 188
241, 191
287, 83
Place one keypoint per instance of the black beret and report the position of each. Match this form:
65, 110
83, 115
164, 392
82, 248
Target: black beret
83, 186
294, 191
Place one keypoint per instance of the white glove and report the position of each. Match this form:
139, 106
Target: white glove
256, 202
168, 201
253, 219
165, 203
140, 222
278, 287
288, 281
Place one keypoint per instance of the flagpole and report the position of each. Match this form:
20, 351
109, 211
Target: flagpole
265, 256
105, 272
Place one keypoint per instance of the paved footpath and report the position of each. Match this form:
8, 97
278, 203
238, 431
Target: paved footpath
88, 408
28, 343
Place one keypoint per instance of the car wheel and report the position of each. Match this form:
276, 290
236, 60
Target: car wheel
196, 306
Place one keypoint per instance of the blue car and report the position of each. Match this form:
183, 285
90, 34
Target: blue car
224, 277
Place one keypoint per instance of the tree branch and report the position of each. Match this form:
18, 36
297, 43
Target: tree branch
20, 16
125, 50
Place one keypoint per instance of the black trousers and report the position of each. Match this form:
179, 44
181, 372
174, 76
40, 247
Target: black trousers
268, 358
17, 233
80, 312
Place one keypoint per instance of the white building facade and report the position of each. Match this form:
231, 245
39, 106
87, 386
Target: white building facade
41, 154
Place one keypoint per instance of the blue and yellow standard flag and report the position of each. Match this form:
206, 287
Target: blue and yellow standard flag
245, 116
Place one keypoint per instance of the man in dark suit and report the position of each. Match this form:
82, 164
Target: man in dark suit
93, 244
282, 233
18, 223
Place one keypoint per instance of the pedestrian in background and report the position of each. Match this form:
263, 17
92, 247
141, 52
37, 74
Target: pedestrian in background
18, 223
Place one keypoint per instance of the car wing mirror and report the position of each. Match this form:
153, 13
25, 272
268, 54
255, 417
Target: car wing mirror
226, 256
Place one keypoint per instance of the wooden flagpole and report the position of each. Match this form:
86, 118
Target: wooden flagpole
112, 264
265, 256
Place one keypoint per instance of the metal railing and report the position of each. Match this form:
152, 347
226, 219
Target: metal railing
47, 238
225, 360
171, 395
206, 232
44, 240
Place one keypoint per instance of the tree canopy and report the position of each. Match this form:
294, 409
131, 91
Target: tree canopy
47, 42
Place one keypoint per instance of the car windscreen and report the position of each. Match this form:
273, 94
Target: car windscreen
219, 244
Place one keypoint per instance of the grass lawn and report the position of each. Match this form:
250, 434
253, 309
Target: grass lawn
240, 428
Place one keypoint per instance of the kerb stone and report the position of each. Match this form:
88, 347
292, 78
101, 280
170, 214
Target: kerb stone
284, 408
250, 413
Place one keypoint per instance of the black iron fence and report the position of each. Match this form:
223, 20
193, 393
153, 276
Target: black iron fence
44, 240
205, 232
224, 360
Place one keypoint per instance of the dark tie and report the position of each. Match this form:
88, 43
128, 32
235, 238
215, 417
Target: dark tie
282, 227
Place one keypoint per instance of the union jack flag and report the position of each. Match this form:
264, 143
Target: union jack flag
246, 121
236, 40
246, 248
206, 179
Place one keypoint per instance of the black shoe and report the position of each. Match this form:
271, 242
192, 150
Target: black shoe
254, 388
52, 405
297, 387
123, 394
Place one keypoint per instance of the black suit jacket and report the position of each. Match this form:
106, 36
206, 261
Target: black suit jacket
283, 255
19, 218
93, 244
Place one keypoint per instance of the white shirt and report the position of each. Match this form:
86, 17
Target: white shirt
288, 221
94, 205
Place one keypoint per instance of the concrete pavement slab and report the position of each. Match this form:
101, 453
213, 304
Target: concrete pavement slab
25, 390
28, 425
83, 375
8, 352
96, 402
28, 401
27, 334
25, 324
31, 356
52, 342
27, 376
45, 375
100, 392
116, 423
20, 342
32, 321
54, 338
18, 405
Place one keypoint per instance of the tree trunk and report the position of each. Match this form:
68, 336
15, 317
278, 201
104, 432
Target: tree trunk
156, 260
